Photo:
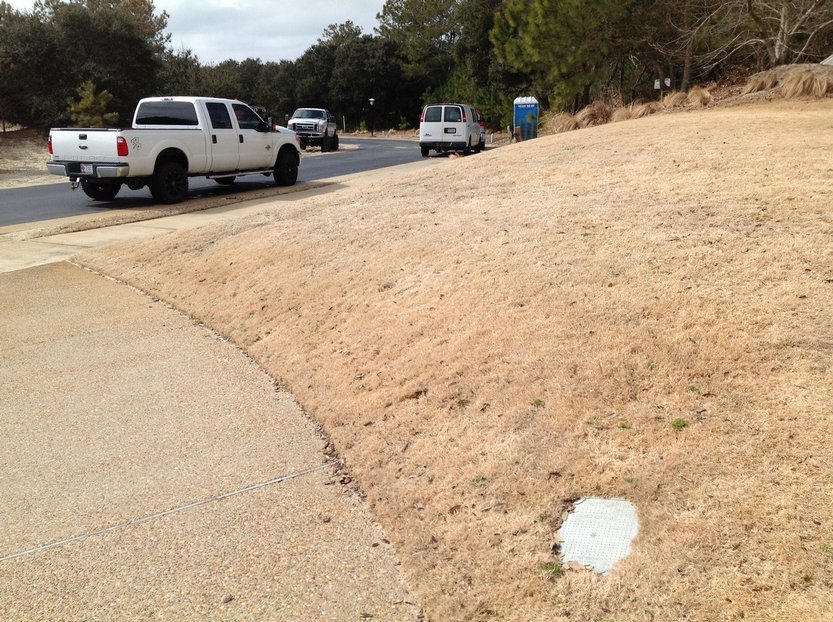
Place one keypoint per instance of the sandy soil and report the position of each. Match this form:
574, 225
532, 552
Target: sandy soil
23, 156
639, 310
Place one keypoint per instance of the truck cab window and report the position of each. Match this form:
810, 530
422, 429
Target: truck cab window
218, 113
247, 118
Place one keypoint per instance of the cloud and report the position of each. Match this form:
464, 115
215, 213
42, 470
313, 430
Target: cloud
218, 30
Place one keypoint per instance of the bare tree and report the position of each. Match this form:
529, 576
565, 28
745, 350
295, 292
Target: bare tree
784, 31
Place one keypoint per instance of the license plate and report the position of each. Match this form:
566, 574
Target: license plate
86, 169
450, 130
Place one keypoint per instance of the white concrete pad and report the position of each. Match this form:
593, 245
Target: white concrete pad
599, 532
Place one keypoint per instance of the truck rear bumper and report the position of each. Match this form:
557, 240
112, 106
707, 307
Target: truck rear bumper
88, 169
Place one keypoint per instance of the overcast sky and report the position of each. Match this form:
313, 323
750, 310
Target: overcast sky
271, 30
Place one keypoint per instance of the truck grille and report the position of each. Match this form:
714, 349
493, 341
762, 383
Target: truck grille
305, 127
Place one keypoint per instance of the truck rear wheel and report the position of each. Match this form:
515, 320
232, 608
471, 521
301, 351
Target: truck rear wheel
100, 191
169, 183
286, 168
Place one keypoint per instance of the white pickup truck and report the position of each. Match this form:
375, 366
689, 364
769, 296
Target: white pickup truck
172, 139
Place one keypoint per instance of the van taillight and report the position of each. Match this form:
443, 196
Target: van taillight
422, 117
121, 146
49, 144
464, 116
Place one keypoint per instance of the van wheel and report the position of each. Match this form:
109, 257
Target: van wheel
169, 183
286, 168
467, 150
100, 191
425, 151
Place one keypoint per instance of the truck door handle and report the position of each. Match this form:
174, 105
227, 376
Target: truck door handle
241, 138
214, 138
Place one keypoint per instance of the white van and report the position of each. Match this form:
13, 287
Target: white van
449, 127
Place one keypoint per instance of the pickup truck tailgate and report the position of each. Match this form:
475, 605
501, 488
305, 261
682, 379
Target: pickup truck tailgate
84, 145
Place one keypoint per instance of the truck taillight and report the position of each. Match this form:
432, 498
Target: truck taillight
49, 144
121, 146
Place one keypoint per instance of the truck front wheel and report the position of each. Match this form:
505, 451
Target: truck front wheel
334, 142
169, 183
100, 191
286, 168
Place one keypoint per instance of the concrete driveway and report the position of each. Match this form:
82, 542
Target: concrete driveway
150, 470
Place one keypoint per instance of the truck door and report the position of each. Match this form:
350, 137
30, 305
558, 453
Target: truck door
225, 148
255, 146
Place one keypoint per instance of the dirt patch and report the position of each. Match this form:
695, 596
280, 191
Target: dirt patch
640, 310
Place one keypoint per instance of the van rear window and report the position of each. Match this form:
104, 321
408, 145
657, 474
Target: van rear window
433, 114
166, 113
453, 115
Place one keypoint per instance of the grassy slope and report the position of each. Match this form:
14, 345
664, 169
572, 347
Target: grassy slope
523, 327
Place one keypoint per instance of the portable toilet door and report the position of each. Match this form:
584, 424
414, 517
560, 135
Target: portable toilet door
526, 118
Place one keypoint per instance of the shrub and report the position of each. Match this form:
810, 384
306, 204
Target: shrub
643, 110
675, 99
597, 113
622, 114
698, 96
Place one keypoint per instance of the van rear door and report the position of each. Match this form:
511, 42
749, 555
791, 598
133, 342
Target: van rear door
431, 127
454, 124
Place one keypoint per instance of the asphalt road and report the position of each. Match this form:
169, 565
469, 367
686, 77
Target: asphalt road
35, 203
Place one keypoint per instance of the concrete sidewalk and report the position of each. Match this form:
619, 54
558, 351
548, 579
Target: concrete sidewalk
150, 470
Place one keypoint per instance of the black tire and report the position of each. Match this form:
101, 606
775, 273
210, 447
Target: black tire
467, 149
286, 168
100, 191
325, 143
334, 143
303, 144
169, 183
425, 151
225, 181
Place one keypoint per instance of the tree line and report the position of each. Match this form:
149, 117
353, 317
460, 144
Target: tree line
91, 60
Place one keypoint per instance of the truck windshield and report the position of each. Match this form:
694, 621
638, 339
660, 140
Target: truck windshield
166, 113
306, 113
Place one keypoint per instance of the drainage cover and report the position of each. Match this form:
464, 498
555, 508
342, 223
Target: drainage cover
598, 532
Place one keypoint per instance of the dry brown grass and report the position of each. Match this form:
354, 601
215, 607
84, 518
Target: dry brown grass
698, 96
806, 84
597, 113
480, 353
807, 80
644, 109
621, 114
674, 99
558, 122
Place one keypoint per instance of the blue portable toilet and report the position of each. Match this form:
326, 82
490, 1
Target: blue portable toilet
526, 118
